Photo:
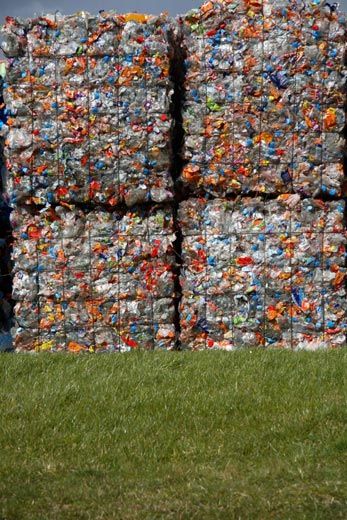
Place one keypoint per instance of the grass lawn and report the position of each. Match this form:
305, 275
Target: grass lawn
213, 435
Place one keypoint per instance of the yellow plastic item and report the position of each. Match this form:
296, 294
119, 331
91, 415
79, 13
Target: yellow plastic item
136, 17
45, 346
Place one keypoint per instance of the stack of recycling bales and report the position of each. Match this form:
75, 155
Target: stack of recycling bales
88, 141
99, 197
263, 116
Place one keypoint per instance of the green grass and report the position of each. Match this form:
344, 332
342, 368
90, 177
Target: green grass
247, 435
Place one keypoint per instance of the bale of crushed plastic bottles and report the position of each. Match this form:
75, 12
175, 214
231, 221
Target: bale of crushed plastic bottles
93, 281
89, 99
263, 273
265, 95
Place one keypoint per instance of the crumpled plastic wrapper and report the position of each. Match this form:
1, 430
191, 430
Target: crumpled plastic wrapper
265, 94
263, 273
89, 99
93, 281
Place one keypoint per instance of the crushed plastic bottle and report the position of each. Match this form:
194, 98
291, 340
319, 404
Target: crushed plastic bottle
263, 273
93, 281
264, 108
89, 99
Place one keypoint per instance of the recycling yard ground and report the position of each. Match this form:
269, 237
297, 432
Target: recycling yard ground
247, 435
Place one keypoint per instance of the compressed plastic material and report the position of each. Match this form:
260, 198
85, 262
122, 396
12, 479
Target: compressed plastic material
268, 274
90, 109
93, 281
265, 95
89, 99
